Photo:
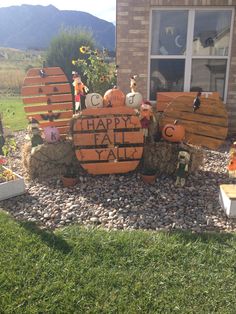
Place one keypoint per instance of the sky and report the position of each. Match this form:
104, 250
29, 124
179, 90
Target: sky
104, 9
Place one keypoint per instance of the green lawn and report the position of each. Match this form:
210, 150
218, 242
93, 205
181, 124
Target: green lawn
90, 271
13, 113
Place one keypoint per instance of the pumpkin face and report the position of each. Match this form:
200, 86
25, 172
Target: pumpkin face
51, 134
114, 98
93, 100
133, 100
108, 140
173, 133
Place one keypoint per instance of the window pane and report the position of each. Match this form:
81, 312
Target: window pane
211, 33
166, 76
208, 75
169, 31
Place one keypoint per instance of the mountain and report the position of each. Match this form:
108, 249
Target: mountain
33, 26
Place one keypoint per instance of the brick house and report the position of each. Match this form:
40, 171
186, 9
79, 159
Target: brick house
178, 45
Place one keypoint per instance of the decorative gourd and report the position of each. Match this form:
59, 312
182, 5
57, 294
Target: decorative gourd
93, 100
173, 132
108, 140
114, 98
134, 100
51, 134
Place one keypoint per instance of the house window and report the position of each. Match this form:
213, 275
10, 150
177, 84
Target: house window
189, 50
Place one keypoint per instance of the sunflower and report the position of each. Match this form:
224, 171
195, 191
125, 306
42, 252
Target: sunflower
73, 62
83, 49
102, 79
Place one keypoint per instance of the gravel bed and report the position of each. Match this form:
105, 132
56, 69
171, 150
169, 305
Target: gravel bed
125, 202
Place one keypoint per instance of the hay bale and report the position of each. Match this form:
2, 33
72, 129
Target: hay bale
163, 156
49, 160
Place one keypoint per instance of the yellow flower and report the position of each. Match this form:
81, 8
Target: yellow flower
102, 79
83, 49
73, 62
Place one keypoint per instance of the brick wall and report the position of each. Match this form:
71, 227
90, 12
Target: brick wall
132, 44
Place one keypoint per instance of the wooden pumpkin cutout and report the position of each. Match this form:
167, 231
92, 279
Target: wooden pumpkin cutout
134, 100
173, 132
93, 100
46, 92
108, 140
114, 98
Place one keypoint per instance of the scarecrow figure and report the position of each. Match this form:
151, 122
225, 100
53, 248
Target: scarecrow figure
197, 102
232, 161
182, 168
80, 91
146, 116
34, 132
133, 84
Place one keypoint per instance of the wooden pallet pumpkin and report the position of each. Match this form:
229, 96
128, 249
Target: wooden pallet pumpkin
108, 140
47, 98
206, 127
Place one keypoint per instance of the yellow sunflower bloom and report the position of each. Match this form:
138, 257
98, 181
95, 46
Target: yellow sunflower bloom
102, 79
83, 49
73, 62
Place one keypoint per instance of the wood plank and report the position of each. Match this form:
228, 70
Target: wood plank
108, 123
64, 130
46, 90
96, 112
200, 128
111, 167
209, 106
109, 138
190, 116
203, 141
44, 108
61, 123
48, 71
37, 80
62, 115
104, 154
44, 99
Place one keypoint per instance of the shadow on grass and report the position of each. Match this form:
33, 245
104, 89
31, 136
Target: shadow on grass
221, 238
48, 237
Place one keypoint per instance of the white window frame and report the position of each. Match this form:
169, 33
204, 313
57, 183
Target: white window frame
188, 57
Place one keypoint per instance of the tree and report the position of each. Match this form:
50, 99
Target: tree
66, 47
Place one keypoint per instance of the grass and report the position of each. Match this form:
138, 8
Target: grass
13, 113
93, 271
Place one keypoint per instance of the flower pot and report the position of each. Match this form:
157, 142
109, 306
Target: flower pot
12, 188
148, 178
69, 181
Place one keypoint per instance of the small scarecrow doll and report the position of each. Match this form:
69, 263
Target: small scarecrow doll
197, 102
182, 168
232, 161
34, 132
80, 91
146, 116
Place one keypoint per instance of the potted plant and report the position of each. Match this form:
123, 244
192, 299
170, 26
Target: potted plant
148, 174
70, 177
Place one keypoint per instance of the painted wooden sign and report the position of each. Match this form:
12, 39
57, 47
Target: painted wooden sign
47, 98
108, 140
207, 127
165, 98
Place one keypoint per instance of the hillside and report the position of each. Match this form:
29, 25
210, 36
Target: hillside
33, 26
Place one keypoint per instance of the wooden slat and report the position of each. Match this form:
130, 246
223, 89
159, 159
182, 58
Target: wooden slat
48, 71
46, 90
128, 122
61, 123
104, 154
64, 129
203, 141
29, 81
164, 98
63, 115
43, 99
111, 167
110, 138
44, 108
108, 111
190, 116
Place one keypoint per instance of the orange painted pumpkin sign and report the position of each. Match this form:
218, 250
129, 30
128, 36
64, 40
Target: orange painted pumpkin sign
173, 132
47, 98
114, 98
108, 140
